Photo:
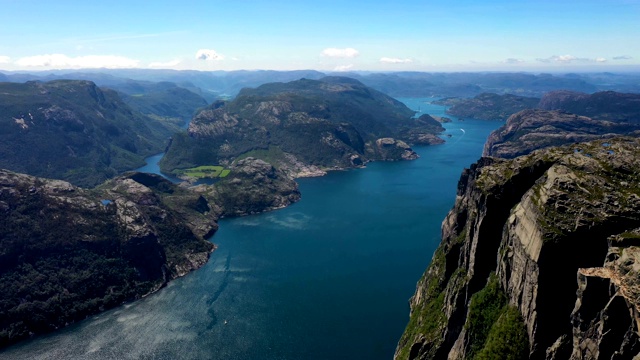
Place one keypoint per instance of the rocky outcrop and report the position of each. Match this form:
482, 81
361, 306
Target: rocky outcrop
253, 186
392, 149
67, 252
520, 234
530, 130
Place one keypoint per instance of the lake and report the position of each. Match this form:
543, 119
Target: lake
326, 278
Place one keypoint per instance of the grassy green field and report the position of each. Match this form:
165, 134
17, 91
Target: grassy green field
205, 171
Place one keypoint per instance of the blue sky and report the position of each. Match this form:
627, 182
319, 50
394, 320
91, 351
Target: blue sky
375, 35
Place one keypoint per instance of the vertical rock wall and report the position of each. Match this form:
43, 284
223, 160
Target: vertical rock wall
537, 222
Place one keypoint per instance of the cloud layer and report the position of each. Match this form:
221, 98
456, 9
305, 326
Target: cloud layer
513, 61
208, 54
5, 59
340, 53
388, 60
343, 67
168, 64
60, 61
568, 59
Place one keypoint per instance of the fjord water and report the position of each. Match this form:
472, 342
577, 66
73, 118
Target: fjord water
326, 278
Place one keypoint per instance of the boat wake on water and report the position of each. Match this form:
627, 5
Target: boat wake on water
463, 133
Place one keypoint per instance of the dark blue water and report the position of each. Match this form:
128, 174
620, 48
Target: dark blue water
153, 167
326, 278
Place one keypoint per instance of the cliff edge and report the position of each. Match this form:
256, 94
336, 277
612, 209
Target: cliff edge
537, 260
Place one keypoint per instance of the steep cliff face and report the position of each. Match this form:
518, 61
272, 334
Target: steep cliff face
502, 284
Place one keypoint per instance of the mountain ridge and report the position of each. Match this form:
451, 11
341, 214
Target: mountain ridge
328, 124
73, 130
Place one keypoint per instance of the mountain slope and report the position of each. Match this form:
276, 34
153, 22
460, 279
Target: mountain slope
605, 105
487, 106
164, 99
67, 252
75, 131
328, 123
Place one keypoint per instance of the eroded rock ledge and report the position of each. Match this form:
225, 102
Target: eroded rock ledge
520, 234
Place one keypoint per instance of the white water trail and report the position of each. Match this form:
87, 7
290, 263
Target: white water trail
460, 138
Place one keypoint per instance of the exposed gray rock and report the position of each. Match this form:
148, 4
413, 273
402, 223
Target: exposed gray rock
530, 130
537, 221
253, 186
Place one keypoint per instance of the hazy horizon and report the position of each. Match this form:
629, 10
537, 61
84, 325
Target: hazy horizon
331, 36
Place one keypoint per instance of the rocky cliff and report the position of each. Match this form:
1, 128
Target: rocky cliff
67, 252
332, 123
537, 260
529, 130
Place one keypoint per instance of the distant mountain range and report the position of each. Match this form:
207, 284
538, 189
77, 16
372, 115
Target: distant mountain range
215, 84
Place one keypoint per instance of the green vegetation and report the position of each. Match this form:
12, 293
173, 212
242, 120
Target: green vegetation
507, 339
427, 317
204, 171
164, 99
495, 330
273, 155
484, 309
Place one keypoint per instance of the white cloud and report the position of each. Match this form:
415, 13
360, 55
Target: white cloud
622, 57
340, 53
5, 59
387, 60
567, 59
60, 61
564, 58
208, 54
168, 64
513, 61
343, 67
